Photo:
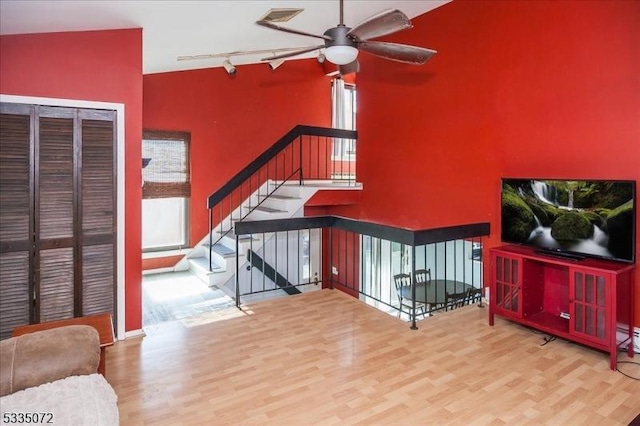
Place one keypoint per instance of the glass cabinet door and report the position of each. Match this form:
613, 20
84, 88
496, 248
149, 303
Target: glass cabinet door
507, 284
589, 294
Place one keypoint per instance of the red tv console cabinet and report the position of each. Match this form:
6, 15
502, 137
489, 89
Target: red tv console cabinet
584, 301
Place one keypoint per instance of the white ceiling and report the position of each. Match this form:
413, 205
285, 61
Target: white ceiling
173, 28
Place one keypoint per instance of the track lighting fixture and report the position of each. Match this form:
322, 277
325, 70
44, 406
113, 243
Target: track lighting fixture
321, 58
275, 63
228, 55
229, 67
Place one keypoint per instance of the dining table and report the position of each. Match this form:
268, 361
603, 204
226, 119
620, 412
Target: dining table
434, 292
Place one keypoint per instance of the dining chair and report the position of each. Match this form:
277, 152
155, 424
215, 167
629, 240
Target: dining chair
456, 300
404, 281
424, 276
476, 294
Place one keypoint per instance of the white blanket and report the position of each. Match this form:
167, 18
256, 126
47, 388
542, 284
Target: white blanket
73, 401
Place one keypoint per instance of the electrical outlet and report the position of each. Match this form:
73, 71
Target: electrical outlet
334, 270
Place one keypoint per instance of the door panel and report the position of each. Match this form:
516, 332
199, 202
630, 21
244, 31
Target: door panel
14, 291
507, 284
15, 175
55, 182
57, 213
56, 284
98, 213
16, 217
589, 300
98, 178
97, 279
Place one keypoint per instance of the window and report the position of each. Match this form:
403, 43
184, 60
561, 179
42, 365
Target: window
476, 251
380, 261
306, 255
344, 117
166, 188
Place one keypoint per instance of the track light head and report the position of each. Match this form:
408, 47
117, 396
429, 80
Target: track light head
275, 63
321, 58
229, 67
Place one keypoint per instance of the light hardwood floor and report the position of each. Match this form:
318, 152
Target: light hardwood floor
326, 358
178, 295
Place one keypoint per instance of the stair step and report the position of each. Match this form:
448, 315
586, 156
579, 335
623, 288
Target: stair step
203, 263
280, 197
221, 249
325, 183
232, 235
268, 210
246, 238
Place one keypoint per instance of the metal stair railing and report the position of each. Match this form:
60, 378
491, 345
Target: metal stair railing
304, 153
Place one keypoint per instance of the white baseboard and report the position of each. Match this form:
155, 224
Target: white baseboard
134, 333
166, 253
158, 271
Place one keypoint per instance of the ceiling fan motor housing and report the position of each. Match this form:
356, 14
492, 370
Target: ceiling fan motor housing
339, 37
341, 49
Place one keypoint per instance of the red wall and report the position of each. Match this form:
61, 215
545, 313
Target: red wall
518, 89
101, 66
344, 257
233, 119
531, 88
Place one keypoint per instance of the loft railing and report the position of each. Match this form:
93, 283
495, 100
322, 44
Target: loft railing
361, 259
304, 153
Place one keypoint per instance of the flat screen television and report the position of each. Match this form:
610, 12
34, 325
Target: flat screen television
572, 218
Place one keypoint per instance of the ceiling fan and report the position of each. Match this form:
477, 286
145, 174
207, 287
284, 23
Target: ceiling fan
342, 43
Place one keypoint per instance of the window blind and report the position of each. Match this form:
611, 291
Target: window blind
165, 172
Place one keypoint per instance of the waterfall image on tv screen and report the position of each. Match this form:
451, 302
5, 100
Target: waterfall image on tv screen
593, 218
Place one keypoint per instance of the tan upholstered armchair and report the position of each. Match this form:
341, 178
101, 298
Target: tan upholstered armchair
55, 372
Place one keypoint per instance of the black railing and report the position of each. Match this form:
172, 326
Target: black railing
304, 153
290, 251
362, 259
268, 271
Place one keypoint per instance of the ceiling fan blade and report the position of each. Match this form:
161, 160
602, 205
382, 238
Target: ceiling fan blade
397, 52
349, 68
292, 31
387, 22
294, 53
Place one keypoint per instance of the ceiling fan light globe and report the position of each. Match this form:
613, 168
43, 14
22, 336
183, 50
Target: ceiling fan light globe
341, 55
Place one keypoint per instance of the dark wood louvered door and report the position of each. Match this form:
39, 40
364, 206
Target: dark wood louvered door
96, 226
54, 236
16, 217
70, 207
